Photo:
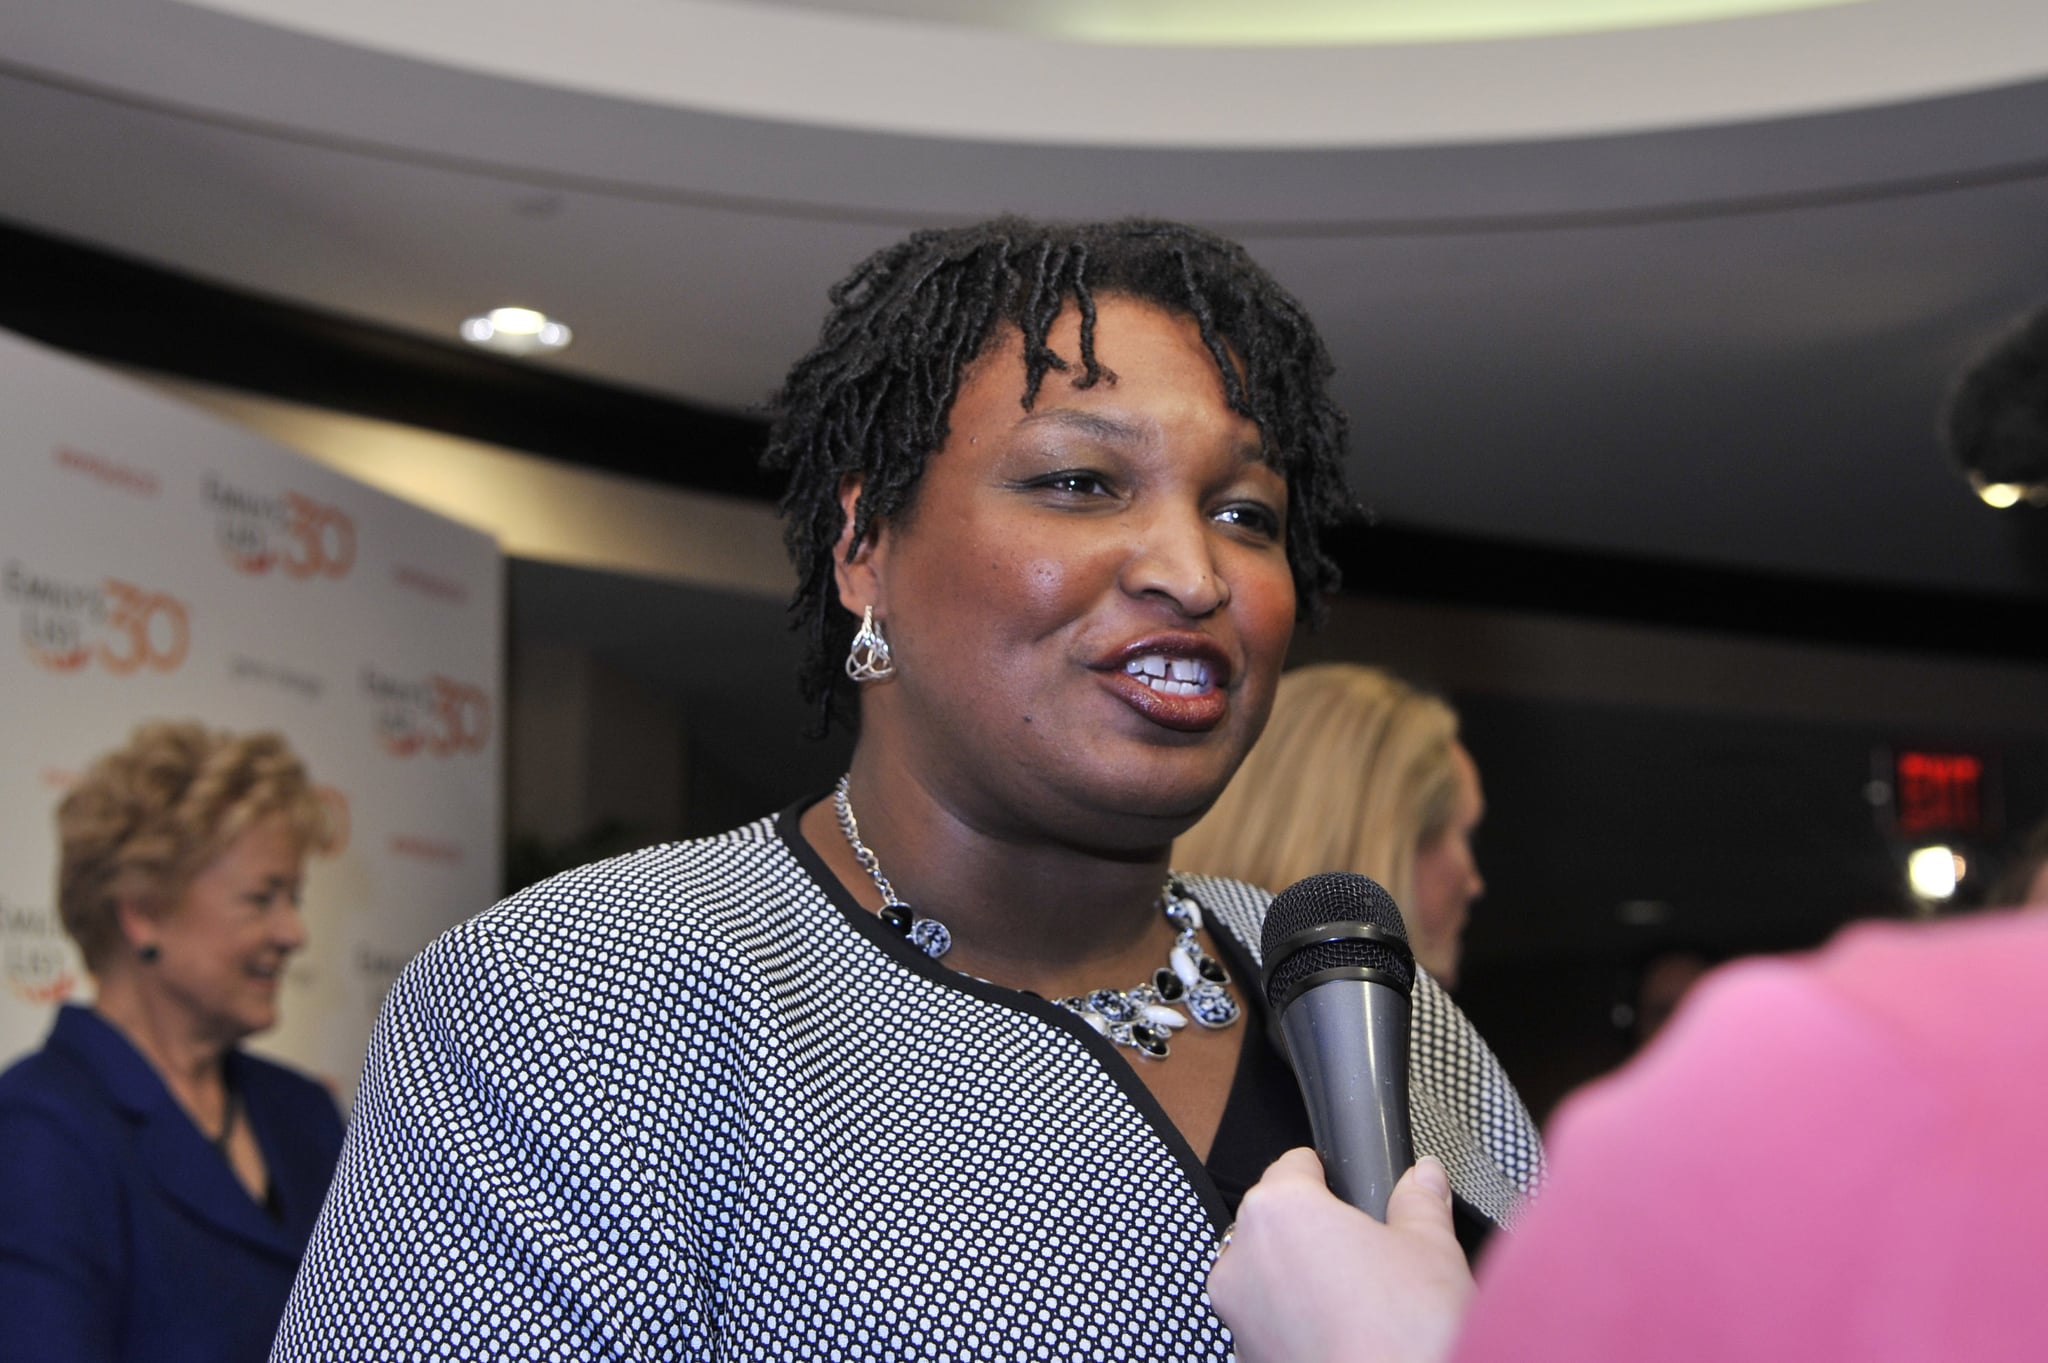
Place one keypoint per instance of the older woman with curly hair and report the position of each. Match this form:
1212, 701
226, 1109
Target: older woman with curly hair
159, 1182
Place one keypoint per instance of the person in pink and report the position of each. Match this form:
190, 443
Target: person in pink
1838, 1156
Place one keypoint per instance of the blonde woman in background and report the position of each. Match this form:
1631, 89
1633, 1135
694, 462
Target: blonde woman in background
158, 1183
1357, 771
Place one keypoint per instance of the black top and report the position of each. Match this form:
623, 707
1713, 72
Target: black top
1264, 1116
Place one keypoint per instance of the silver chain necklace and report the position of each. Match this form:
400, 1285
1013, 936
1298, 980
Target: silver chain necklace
1140, 1018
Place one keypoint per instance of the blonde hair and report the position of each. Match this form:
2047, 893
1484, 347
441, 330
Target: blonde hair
153, 813
1353, 773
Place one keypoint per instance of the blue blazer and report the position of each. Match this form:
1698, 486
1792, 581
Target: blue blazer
123, 1232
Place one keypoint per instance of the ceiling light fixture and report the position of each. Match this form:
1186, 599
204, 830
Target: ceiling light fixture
515, 331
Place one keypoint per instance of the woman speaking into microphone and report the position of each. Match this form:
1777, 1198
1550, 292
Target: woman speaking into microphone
944, 1061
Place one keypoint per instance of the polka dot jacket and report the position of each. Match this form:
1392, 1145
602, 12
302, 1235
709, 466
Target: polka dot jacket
691, 1104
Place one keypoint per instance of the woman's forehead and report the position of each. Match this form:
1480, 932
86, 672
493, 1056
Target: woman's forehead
1113, 313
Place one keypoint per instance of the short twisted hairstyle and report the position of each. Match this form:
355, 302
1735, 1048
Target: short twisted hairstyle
152, 814
871, 399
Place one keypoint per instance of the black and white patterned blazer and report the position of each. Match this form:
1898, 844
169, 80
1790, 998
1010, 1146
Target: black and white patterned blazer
691, 1104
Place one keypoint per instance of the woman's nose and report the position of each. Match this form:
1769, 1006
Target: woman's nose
288, 927
1175, 559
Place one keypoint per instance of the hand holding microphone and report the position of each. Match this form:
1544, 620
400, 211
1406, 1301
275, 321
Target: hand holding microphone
1337, 975
1309, 1280
1306, 1278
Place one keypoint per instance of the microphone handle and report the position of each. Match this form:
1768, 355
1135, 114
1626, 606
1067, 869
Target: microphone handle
1348, 1040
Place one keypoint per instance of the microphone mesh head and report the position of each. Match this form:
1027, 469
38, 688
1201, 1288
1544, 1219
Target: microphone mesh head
1334, 897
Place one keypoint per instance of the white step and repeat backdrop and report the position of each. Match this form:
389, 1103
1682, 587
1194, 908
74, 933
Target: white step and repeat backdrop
157, 563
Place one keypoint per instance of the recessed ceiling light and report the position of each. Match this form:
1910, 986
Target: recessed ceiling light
2001, 495
515, 331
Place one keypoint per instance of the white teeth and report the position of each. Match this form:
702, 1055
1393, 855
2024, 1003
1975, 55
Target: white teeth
1171, 676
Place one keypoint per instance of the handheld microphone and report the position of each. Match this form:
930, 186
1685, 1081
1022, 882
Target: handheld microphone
1337, 975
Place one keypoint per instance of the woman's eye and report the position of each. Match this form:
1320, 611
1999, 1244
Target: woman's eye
1259, 520
1075, 482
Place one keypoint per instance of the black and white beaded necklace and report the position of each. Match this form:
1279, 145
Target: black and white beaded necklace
1141, 1018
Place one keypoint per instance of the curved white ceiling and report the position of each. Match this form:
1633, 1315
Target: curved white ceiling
854, 70
1274, 23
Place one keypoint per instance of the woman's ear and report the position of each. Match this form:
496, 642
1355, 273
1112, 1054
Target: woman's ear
859, 580
138, 918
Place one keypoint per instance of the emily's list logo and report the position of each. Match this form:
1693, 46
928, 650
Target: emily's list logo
433, 714
36, 959
122, 627
291, 533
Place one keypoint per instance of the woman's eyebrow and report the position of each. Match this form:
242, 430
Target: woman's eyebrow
1111, 430
1095, 424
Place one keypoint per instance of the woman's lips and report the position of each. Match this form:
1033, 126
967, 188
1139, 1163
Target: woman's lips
1172, 690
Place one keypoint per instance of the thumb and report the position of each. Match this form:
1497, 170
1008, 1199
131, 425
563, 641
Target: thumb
1422, 1198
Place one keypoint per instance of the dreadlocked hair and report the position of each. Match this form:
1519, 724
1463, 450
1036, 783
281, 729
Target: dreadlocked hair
871, 399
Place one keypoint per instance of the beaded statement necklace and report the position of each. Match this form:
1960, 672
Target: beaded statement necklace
1192, 983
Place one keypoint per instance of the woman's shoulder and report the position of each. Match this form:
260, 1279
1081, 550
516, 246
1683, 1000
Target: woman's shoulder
83, 1062
40, 1079
56, 1105
695, 881
587, 973
1238, 905
688, 909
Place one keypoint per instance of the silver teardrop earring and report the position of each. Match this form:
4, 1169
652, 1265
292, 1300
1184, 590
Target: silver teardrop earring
868, 660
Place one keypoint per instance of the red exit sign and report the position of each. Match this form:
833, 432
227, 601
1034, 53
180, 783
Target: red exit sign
1938, 792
